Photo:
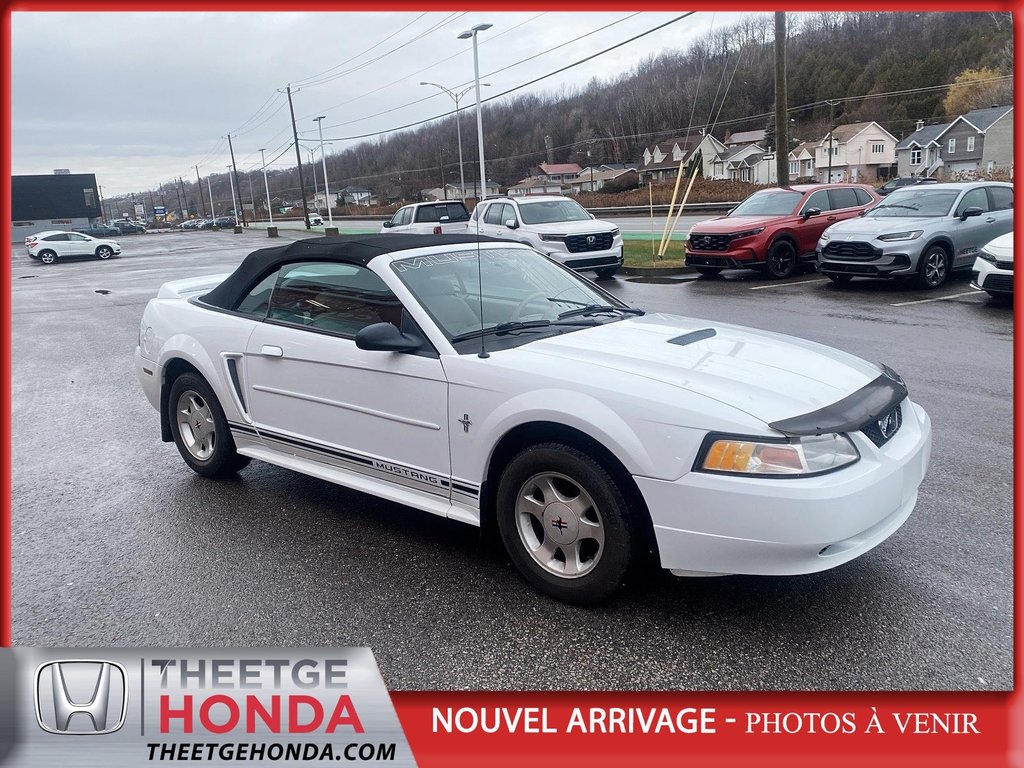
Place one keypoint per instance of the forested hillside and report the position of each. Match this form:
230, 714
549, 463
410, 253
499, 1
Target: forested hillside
725, 82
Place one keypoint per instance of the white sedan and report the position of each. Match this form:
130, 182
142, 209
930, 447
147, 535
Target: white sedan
993, 268
480, 381
47, 247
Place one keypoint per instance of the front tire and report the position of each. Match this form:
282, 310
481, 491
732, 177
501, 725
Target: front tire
709, 271
934, 268
606, 274
781, 260
104, 252
839, 279
565, 523
200, 429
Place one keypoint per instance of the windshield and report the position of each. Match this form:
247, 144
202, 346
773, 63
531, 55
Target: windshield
914, 202
552, 212
523, 293
770, 202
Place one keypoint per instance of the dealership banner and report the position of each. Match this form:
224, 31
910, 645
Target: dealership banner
87, 707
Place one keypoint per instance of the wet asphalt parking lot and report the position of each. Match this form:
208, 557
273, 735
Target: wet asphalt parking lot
116, 542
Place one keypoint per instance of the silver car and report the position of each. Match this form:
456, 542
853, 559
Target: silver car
923, 232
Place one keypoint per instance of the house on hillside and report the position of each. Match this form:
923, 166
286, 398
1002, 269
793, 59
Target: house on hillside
980, 141
801, 161
354, 196
535, 185
744, 162
860, 152
556, 172
592, 179
918, 154
660, 161
741, 138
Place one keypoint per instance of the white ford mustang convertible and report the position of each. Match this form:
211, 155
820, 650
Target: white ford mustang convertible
480, 381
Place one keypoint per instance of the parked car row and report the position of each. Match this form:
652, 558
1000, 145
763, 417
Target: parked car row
556, 226
920, 231
221, 222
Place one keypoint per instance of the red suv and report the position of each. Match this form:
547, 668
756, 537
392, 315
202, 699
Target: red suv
774, 228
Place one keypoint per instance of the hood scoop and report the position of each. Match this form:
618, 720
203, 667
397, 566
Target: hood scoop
693, 336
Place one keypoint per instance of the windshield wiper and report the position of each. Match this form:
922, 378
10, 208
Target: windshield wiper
515, 325
895, 205
596, 309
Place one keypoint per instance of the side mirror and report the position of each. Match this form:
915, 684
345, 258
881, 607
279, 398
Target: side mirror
863, 212
388, 225
811, 212
592, 216
512, 224
385, 337
968, 212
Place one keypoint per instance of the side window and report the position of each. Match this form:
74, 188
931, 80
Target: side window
477, 211
818, 200
257, 302
493, 214
975, 198
404, 216
842, 198
508, 213
61, 238
863, 198
328, 296
1002, 198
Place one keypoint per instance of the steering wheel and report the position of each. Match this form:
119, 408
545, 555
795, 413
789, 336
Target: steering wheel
517, 313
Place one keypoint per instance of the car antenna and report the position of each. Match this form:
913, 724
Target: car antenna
480, 287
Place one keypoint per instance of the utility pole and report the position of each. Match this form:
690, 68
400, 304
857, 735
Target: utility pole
234, 170
202, 200
831, 125
184, 199
252, 198
234, 204
781, 103
177, 190
298, 158
270, 207
323, 159
209, 188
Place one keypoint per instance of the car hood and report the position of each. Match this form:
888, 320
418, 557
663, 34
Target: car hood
590, 226
874, 227
727, 225
765, 375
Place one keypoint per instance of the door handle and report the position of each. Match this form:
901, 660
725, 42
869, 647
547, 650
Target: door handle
831, 218
271, 351
990, 219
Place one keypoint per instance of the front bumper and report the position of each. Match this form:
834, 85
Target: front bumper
986, 276
588, 260
873, 260
711, 524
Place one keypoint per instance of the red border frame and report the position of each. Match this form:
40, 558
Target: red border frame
1000, 744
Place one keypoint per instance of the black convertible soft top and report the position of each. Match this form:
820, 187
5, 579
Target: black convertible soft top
353, 249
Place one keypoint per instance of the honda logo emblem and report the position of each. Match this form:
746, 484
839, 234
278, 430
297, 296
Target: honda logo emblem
80, 697
591, 239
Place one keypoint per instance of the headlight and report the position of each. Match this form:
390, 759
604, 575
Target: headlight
749, 232
615, 232
552, 238
983, 254
825, 236
795, 457
910, 235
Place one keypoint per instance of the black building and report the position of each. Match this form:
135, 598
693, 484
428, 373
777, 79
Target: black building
58, 201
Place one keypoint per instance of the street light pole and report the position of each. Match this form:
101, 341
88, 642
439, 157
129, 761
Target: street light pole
312, 165
270, 208
456, 97
472, 33
323, 159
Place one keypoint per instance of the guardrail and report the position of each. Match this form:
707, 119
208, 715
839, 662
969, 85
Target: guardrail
628, 210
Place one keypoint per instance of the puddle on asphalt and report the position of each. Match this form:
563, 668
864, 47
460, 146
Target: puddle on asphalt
658, 280
102, 291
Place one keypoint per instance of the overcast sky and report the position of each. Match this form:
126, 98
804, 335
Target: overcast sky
142, 98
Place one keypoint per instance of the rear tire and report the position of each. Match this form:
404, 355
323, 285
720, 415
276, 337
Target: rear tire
47, 257
565, 523
200, 429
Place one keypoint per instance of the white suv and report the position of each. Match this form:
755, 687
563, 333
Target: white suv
443, 217
556, 226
